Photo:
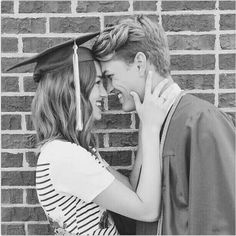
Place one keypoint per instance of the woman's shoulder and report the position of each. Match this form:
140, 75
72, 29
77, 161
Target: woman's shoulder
60, 150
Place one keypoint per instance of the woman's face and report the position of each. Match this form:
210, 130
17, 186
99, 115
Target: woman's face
97, 94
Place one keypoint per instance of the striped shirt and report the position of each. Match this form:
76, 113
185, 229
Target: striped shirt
70, 206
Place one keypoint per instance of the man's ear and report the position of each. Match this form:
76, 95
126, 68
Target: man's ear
140, 61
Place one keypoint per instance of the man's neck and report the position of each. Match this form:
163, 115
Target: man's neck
157, 81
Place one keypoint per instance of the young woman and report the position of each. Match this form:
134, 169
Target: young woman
75, 186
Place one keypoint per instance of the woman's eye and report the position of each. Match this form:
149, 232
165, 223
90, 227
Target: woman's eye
98, 82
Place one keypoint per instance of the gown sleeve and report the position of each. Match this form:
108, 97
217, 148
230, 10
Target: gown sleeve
211, 174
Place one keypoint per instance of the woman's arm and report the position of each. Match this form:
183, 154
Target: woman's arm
145, 202
136, 171
122, 178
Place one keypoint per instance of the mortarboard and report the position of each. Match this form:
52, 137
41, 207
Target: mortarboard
59, 56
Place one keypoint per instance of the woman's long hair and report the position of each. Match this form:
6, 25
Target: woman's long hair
54, 109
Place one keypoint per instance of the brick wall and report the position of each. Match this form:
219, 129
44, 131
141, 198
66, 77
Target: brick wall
201, 36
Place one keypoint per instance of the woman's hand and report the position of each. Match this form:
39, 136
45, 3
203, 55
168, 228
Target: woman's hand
153, 110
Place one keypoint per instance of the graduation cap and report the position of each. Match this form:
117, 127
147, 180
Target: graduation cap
59, 56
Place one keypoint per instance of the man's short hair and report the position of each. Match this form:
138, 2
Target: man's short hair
129, 36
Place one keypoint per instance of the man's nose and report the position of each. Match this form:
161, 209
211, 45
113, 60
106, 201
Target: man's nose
109, 87
102, 90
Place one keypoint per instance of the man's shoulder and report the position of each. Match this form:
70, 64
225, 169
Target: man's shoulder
191, 105
191, 108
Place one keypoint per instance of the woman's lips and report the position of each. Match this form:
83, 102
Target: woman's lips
100, 104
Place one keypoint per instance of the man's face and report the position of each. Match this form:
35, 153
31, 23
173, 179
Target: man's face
124, 78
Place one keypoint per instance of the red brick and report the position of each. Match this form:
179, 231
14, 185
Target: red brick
191, 42
113, 19
9, 84
14, 103
23, 25
18, 141
227, 100
117, 158
18, 178
227, 22
40, 229
206, 96
227, 5
188, 82
114, 121
123, 139
137, 121
23, 214
11, 160
100, 138
227, 61
7, 62
7, 7
227, 41
187, 5
195, 23
29, 122
102, 6
74, 24
36, 45
45, 7
31, 196
145, 5
29, 84
9, 44
31, 158
114, 103
13, 229
227, 81
192, 62
11, 122
12, 196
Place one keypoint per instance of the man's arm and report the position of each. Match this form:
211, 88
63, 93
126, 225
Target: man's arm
212, 174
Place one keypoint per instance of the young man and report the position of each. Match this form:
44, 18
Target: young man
197, 140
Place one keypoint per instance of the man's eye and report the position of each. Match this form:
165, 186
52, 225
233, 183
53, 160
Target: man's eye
98, 82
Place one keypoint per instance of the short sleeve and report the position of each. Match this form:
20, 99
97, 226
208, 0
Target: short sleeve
74, 170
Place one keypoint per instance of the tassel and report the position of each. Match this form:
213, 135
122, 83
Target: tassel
79, 123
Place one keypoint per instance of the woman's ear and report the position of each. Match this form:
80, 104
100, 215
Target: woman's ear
140, 61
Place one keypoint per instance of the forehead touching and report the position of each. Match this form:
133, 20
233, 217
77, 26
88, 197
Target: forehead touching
98, 68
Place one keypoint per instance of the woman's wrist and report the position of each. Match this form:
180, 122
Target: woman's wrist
152, 129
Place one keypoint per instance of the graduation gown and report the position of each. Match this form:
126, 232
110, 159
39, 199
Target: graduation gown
198, 167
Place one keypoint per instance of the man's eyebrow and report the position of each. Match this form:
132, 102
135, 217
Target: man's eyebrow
105, 74
108, 75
